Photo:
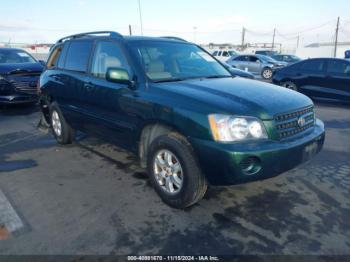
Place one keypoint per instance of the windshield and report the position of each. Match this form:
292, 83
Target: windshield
266, 59
15, 57
168, 61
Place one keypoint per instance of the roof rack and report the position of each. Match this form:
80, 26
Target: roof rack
174, 38
111, 34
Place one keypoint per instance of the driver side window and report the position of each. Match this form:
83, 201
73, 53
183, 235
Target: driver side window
107, 55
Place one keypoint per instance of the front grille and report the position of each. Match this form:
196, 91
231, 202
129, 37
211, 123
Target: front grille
24, 83
25, 87
294, 123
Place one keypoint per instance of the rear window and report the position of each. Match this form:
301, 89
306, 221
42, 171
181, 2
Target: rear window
53, 59
338, 67
78, 56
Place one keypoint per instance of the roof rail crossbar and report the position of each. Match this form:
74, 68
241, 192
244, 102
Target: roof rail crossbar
174, 38
111, 33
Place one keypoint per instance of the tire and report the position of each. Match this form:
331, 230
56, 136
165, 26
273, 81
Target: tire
193, 185
266, 73
290, 85
63, 133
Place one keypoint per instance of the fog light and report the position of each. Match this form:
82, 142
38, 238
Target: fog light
250, 166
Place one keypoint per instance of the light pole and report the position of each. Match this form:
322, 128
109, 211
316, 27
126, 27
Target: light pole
140, 13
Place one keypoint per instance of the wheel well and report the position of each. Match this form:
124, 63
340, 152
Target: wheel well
148, 134
45, 102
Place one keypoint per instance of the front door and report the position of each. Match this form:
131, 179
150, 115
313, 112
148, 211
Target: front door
107, 101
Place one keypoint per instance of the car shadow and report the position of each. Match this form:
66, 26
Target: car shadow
18, 110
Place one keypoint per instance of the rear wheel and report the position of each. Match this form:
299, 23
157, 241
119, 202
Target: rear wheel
63, 133
174, 171
267, 73
290, 85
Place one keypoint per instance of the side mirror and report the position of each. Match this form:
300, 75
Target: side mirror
42, 62
119, 75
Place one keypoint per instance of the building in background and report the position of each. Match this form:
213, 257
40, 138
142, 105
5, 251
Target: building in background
322, 50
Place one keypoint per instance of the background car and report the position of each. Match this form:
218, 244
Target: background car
19, 75
266, 52
224, 55
256, 64
290, 59
323, 78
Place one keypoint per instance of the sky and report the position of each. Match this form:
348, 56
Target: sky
201, 21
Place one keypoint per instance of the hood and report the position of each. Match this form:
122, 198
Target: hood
238, 96
25, 67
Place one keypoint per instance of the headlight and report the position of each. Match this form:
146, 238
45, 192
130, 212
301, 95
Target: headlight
227, 128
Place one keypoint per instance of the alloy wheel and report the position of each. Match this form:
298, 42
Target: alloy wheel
56, 123
168, 171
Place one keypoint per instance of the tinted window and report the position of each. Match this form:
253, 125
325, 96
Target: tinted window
78, 56
313, 65
253, 59
107, 55
62, 56
215, 53
225, 53
338, 67
241, 58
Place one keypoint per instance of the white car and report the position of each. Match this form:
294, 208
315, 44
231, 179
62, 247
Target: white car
224, 55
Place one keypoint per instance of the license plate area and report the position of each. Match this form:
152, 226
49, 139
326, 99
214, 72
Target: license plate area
310, 150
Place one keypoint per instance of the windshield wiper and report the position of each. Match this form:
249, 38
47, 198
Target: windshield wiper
175, 79
218, 76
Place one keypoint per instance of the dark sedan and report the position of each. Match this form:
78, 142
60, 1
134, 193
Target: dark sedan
322, 78
19, 75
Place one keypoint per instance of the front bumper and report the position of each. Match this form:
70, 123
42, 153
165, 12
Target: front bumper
18, 99
225, 164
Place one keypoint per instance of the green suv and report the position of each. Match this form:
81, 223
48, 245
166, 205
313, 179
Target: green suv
189, 121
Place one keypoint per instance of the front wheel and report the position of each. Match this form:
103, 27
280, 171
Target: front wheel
174, 171
267, 73
290, 85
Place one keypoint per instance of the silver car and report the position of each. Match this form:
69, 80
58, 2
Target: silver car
256, 64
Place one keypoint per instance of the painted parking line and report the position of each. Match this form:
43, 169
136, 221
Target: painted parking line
9, 219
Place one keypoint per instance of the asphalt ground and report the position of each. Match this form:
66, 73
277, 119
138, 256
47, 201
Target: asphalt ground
92, 198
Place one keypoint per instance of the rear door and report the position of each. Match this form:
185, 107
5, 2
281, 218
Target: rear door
72, 95
310, 77
337, 84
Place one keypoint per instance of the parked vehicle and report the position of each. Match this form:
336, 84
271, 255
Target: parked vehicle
290, 59
224, 55
256, 64
238, 72
347, 54
189, 121
19, 75
323, 78
266, 52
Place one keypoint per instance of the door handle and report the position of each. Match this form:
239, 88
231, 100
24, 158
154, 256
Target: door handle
89, 85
